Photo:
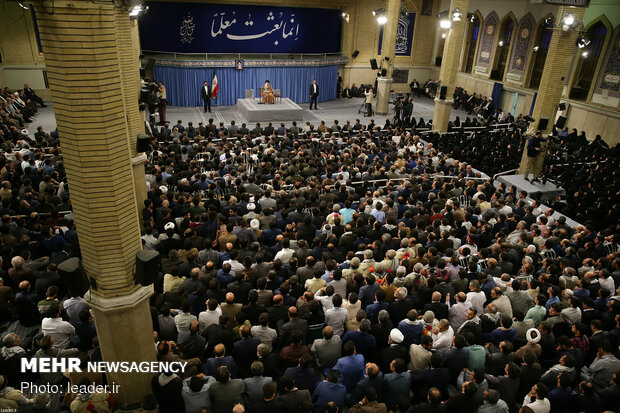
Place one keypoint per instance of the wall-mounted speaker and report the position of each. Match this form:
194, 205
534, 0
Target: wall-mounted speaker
143, 142
355, 54
73, 277
442, 92
438, 61
373, 64
427, 8
562, 106
560, 122
543, 123
147, 263
383, 72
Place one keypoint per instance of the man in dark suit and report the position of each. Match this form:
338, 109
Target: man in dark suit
295, 323
218, 333
211, 366
293, 399
437, 307
244, 351
314, 94
436, 376
205, 93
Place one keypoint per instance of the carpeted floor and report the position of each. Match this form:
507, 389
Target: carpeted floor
340, 109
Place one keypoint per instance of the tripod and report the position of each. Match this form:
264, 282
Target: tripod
363, 108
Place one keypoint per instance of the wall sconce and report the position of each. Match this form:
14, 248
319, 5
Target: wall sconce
380, 15
582, 41
444, 19
456, 15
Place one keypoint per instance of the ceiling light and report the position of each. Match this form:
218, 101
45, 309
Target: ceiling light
443, 35
374, 12
382, 19
445, 24
21, 4
501, 43
536, 48
584, 54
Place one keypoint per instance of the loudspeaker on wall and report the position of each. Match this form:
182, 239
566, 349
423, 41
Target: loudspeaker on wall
560, 122
543, 123
373, 64
73, 277
146, 267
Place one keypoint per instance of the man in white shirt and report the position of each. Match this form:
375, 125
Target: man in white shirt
211, 315
537, 400
54, 326
235, 265
476, 297
286, 253
442, 336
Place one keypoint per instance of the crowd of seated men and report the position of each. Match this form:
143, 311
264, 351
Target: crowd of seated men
17, 109
318, 272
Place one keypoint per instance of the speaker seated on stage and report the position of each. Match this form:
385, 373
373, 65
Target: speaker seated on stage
267, 93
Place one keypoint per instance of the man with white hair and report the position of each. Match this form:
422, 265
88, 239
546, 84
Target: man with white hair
20, 273
442, 336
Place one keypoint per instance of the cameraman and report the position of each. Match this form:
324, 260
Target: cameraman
161, 96
534, 147
369, 95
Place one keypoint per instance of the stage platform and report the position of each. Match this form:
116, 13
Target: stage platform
281, 111
537, 190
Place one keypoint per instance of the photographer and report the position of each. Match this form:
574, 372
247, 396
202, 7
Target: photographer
534, 147
369, 96
398, 105
161, 96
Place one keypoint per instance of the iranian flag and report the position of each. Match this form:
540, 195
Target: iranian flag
215, 87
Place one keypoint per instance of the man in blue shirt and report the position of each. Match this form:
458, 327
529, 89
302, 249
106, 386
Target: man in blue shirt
350, 366
365, 343
329, 391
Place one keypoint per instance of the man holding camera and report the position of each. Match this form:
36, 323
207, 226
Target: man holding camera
369, 95
534, 148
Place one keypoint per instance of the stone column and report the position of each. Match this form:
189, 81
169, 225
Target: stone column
93, 87
388, 49
129, 56
450, 65
557, 66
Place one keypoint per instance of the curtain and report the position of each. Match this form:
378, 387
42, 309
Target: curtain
183, 84
533, 103
496, 95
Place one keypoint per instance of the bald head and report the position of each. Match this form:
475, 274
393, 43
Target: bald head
372, 370
24, 285
230, 298
292, 312
219, 350
328, 332
436, 296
